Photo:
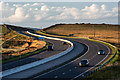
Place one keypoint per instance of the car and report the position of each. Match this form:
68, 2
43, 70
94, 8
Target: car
64, 43
50, 48
101, 52
84, 62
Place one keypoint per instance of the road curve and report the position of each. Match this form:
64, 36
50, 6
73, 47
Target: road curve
57, 46
72, 70
78, 50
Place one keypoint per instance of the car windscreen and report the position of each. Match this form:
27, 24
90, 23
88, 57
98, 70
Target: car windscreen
101, 51
84, 61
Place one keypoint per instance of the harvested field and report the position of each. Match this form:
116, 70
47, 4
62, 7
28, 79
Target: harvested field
104, 32
15, 44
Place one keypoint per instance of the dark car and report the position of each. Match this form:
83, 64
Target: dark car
50, 48
101, 52
64, 43
84, 62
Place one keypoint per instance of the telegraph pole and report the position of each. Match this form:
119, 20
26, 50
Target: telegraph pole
94, 30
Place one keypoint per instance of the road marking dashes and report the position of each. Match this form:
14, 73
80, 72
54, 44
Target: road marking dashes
75, 67
56, 77
92, 57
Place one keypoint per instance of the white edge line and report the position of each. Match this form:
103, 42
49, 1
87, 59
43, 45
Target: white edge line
93, 66
51, 56
65, 64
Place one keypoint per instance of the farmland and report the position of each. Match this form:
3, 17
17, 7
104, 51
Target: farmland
104, 32
15, 44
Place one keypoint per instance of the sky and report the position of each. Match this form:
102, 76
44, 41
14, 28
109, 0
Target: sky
45, 14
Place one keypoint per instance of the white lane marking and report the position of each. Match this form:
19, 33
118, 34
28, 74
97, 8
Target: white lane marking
75, 67
70, 70
63, 73
92, 57
65, 64
93, 66
56, 77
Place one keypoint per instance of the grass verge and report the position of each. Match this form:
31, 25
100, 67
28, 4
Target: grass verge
107, 72
109, 45
114, 49
110, 72
42, 33
25, 55
30, 78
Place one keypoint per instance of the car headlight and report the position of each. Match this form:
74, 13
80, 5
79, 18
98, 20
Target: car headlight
80, 64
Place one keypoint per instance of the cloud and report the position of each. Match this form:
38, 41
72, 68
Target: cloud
1, 5
19, 16
115, 9
42, 12
93, 8
35, 4
94, 12
38, 17
26, 5
30, 9
64, 13
90, 12
103, 7
44, 8
36, 9
17, 5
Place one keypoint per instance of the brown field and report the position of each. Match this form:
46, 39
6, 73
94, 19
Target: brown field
104, 32
26, 48
15, 44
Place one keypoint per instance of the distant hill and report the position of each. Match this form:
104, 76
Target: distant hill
17, 28
5, 29
106, 32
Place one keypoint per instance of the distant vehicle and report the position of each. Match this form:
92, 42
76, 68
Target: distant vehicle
64, 43
101, 52
40, 38
50, 48
71, 34
84, 62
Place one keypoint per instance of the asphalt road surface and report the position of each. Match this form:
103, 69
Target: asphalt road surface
72, 70
57, 47
78, 49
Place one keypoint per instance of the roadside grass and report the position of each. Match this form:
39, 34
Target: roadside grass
104, 32
114, 49
4, 29
43, 33
25, 55
109, 72
109, 45
33, 76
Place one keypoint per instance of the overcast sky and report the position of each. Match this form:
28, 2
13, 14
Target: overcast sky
44, 14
